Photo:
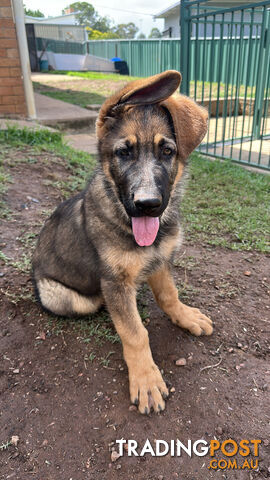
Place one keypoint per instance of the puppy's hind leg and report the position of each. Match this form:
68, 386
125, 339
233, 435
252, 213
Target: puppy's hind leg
62, 300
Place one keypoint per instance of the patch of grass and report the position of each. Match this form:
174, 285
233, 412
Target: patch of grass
75, 97
105, 361
226, 289
23, 264
186, 291
188, 262
26, 136
5, 179
23, 295
4, 258
94, 75
98, 327
80, 164
227, 205
28, 239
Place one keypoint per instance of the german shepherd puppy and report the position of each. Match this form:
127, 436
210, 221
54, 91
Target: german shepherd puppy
123, 229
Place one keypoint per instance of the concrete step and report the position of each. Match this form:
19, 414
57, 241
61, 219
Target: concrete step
63, 115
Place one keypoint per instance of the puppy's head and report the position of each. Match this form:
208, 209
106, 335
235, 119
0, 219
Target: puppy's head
145, 136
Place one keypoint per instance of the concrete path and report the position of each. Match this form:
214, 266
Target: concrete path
82, 141
64, 115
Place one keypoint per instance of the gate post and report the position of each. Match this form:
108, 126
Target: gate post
184, 46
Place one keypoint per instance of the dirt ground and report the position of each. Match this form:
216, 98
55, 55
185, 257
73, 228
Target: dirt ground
65, 393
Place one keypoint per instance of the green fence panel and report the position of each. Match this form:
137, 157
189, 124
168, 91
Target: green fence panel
148, 57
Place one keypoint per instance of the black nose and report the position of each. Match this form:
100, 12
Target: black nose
148, 203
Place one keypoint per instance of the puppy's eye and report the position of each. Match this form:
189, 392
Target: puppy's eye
123, 152
167, 151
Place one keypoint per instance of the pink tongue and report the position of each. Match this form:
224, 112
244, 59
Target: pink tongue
145, 230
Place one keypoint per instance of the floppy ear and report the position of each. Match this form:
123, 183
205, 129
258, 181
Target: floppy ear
190, 123
145, 91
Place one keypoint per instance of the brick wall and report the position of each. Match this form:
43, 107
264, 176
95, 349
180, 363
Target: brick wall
12, 99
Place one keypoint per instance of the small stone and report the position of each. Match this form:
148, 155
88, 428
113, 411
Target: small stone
219, 430
44, 443
239, 345
16, 370
132, 408
266, 443
118, 466
114, 456
172, 390
160, 477
230, 350
247, 273
14, 440
181, 362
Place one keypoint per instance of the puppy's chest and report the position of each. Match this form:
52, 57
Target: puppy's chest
136, 266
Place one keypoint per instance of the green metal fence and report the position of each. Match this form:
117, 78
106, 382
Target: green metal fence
148, 57
238, 66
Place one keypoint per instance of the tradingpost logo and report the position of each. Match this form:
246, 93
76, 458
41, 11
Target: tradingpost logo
248, 450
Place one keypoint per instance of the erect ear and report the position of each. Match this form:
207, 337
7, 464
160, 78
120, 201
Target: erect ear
145, 91
190, 123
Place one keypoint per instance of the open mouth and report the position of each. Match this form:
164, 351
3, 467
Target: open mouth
145, 230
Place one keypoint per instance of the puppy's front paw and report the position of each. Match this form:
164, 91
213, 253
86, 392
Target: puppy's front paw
147, 388
194, 320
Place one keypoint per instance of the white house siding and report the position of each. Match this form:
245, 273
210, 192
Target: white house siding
173, 22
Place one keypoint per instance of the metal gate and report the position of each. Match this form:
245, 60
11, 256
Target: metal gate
236, 94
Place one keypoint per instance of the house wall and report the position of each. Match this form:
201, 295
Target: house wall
173, 21
12, 98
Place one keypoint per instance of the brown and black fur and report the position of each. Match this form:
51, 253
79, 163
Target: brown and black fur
87, 255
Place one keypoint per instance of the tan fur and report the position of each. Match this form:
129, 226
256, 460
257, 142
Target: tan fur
179, 174
126, 264
166, 295
190, 123
144, 375
62, 300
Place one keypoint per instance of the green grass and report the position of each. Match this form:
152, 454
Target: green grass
76, 98
97, 326
5, 179
94, 75
226, 205
80, 164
